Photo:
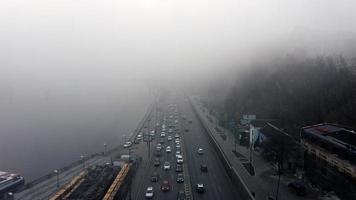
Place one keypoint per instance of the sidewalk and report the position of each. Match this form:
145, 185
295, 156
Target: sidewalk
264, 183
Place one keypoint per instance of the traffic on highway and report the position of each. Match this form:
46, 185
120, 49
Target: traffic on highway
179, 162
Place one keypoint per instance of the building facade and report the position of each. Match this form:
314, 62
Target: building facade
330, 158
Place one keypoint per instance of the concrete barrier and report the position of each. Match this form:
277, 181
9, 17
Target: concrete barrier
239, 184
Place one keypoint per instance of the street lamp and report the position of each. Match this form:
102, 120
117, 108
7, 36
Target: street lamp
82, 157
56, 172
105, 146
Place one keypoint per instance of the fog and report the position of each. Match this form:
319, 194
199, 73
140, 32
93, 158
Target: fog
78, 73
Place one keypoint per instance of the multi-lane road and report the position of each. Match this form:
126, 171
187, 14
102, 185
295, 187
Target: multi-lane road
216, 181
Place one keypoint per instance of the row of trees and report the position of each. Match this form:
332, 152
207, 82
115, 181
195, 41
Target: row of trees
298, 92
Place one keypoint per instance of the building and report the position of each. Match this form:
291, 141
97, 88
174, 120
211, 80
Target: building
330, 158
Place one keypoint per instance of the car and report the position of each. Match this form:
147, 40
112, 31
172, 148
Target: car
167, 166
203, 168
180, 178
178, 146
127, 144
179, 159
178, 152
163, 135
176, 136
200, 151
154, 177
158, 148
168, 149
157, 162
181, 195
298, 187
149, 193
157, 153
169, 138
161, 141
177, 141
165, 186
200, 188
179, 168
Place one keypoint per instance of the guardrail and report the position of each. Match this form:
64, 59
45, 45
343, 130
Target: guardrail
116, 184
242, 188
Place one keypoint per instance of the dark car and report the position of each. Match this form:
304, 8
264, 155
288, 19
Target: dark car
157, 162
181, 195
203, 168
180, 178
157, 153
165, 186
298, 187
179, 168
154, 177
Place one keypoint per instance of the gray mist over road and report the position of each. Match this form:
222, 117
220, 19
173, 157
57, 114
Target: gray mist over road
76, 74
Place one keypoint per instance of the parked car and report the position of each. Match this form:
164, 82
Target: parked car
298, 187
149, 193
169, 138
165, 186
127, 144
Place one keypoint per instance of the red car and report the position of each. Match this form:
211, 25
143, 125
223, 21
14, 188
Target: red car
165, 187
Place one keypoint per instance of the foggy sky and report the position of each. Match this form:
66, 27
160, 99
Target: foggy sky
75, 74
157, 38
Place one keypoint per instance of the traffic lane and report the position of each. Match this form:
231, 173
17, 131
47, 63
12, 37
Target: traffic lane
217, 178
171, 174
194, 162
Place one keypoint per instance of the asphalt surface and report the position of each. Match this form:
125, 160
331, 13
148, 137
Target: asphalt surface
218, 184
142, 179
216, 181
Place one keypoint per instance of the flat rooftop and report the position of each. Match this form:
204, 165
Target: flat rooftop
333, 133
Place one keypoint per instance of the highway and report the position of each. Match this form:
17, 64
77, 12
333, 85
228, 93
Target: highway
216, 181
142, 178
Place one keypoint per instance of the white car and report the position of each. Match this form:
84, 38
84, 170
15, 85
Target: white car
163, 135
127, 144
169, 138
200, 151
178, 146
149, 193
179, 159
166, 166
168, 149
177, 140
178, 153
